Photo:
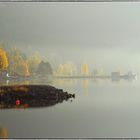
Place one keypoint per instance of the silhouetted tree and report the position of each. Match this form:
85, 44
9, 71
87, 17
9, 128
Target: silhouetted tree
44, 68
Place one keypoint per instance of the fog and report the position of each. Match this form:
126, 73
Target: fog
103, 35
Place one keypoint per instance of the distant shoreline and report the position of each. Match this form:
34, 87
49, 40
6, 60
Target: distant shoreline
80, 77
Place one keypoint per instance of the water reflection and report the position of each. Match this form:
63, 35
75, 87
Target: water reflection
3, 133
63, 82
14, 82
32, 103
116, 80
102, 98
85, 84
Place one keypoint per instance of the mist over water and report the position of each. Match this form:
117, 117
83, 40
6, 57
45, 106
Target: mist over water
102, 108
89, 37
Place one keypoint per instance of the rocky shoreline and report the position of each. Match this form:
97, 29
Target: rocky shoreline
25, 96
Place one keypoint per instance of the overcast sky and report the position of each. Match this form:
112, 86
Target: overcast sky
105, 35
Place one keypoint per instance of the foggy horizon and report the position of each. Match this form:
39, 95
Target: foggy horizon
103, 35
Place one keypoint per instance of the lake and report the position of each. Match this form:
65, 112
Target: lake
101, 109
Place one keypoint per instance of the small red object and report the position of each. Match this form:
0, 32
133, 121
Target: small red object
17, 102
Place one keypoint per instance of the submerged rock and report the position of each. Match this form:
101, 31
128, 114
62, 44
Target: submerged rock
24, 96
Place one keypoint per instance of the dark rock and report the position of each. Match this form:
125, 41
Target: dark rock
32, 96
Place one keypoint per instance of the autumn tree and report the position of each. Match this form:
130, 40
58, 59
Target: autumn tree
3, 60
33, 63
84, 69
14, 58
59, 70
17, 63
22, 68
67, 69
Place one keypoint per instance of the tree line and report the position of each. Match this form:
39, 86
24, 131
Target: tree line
17, 63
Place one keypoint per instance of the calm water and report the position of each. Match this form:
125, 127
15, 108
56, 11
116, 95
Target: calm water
102, 108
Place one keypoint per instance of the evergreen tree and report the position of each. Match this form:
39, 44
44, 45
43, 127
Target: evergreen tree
44, 68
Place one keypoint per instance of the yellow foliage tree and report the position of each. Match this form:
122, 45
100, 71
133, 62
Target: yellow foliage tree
22, 69
3, 60
17, 64
14, 60
84, 69
67, 69
59, 70
33, 63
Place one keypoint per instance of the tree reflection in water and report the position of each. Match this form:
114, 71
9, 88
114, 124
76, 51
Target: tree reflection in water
3, 133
